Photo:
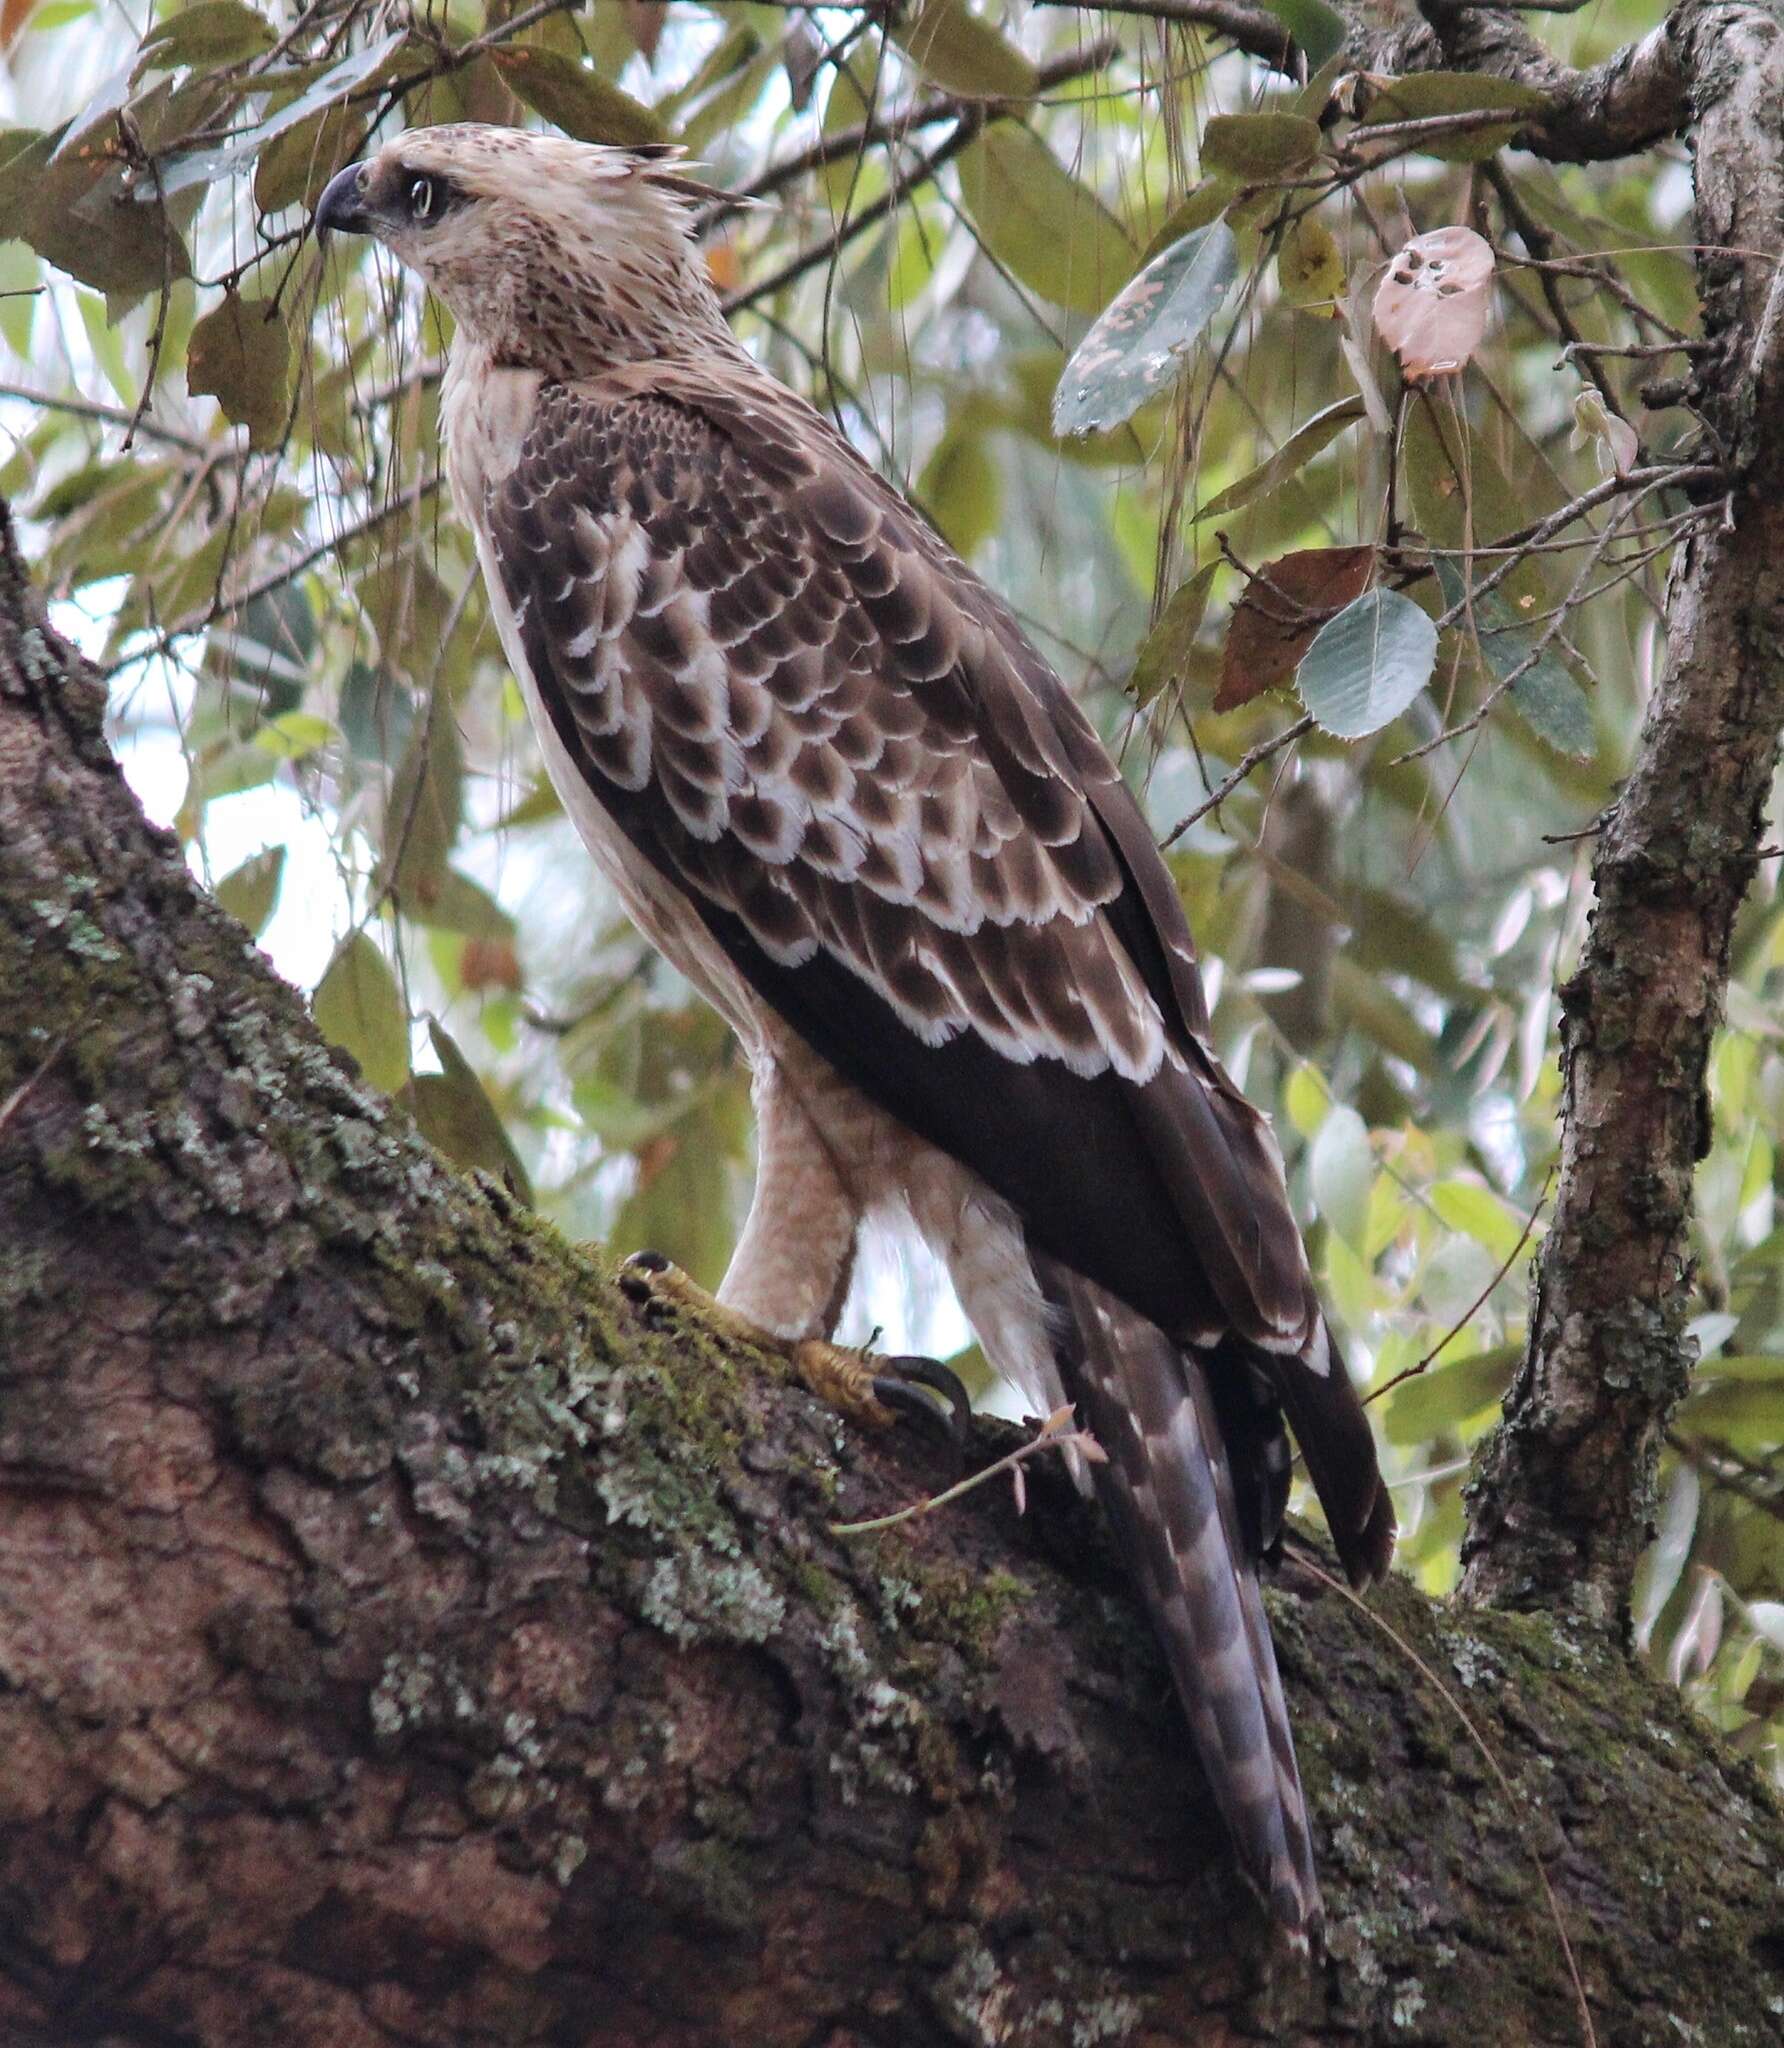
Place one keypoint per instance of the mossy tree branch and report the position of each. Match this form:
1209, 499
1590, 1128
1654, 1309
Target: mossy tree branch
401, 1643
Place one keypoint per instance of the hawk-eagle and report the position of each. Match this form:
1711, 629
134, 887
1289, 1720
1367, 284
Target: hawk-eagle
835, 784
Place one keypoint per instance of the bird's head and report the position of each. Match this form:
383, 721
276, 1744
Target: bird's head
563, 256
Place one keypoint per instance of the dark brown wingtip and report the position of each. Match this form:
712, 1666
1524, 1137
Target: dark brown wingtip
1367, 1552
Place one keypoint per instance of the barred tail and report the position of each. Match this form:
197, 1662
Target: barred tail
1169, 1489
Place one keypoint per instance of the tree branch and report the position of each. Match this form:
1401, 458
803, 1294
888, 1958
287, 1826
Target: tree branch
405, 1644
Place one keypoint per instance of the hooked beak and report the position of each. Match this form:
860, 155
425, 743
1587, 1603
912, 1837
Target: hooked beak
342, 204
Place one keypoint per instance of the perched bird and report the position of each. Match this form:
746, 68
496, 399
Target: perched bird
837, 787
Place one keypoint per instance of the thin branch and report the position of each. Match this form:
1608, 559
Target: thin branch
897, 126
1479, 1302
1257, 756
225, 607
972, 122
106, 415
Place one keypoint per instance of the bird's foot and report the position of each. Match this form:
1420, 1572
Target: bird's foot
861, 1385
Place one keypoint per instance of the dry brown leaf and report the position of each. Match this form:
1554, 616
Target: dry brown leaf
1431, 308
13, 16
1274, 623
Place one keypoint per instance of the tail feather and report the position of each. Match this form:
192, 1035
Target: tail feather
1169, 1489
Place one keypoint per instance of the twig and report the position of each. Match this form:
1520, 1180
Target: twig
1257, 756
106, 415
1467, 1316
897, 126
971, 124
221, 607
1056, 1433
21, 1094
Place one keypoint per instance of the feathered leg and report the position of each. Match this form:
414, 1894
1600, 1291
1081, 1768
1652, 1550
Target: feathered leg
789, 1275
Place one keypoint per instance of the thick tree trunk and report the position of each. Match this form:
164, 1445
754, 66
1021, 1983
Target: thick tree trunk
401, 1643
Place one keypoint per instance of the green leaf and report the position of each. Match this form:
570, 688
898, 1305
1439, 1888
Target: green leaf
1294, 455
1258, 147
1367, 664
78, 215
294, 734
452, 902
963, 54
1478, 1213
1445, 1399
215, 34
295, 166
240, 355
358, 1007
452, 1111
422, 818
1341, 1171
576, 99
1319, 30
1164, 653
1426, 94
1359, 998
251, 891
1545, 696
210, 166
1051, 232
1309, 267
1133, 350
847, 108
961, 488
1462, 497
1202, 203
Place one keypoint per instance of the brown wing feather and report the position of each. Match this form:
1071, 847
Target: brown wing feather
812, 718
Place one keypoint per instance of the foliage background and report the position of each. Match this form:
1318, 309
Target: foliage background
225, 447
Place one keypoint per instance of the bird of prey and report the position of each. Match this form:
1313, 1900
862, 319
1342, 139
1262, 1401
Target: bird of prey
834, 783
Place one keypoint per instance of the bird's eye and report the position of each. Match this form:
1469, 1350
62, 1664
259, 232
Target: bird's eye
424, 198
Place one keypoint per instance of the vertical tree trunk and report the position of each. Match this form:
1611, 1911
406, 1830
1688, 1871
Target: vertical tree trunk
1562, 1499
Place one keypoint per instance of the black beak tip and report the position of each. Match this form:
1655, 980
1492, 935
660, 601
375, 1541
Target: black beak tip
342, 205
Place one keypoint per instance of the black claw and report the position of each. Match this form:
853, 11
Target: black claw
896, 1385
634, 1280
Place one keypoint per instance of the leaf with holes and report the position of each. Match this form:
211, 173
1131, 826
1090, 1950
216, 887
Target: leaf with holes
1431, 307
1284, 606
1309, 268
1367, 665
1134, 349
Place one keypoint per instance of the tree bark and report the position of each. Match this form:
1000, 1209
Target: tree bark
1562, 1502
401, 1642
